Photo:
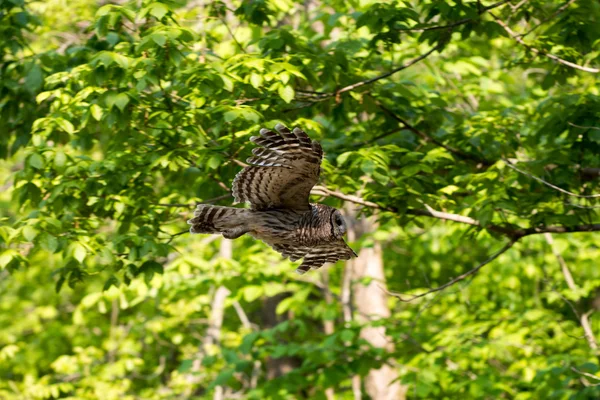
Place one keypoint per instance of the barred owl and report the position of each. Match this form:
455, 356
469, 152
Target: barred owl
277, 184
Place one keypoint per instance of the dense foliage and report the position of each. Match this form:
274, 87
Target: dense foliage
463, 127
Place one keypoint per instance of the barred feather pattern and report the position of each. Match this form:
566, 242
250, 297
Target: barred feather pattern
310, 236
229, 221
283, 169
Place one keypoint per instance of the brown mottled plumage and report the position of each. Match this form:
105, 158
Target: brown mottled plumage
277, 185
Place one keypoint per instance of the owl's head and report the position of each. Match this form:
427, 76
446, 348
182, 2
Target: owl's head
338, 225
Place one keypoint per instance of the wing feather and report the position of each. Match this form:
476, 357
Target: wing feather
329, 253
315, 257
282, 171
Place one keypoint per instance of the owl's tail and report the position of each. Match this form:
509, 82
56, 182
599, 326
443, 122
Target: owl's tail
229, 221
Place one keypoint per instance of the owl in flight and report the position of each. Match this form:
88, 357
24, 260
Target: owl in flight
277, 184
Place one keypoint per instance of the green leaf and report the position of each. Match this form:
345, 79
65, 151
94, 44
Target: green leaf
121, 101
48, 242
34, 78
43, 96
5, 258
159, 39
185, 366
248, 342
36, 161
60, 158
256, 80
79, 252
112, 281
158, 10
252, 293
231, 115
29, 233
65, 125
227, 83
287, 93
347, 335
96, 111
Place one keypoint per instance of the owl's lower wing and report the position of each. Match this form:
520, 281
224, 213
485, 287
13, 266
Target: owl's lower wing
283, 170
329, 253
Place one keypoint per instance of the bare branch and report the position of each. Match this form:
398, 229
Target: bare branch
208, 201
511, 231
587, 329
455, 280
563, 265
175, 205
583, 127
242, 315
560, 229
428, 212
559, 60
585, 373
582, 196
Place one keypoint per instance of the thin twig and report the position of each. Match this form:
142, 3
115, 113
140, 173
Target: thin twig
559, 60
455, 280
581, 196
371, 80
431, 139
175, 205
455, 23
542, 22
392, 72
177, 234
585, 373
561, 261
232, 35
208, 201
583, 127
587, 329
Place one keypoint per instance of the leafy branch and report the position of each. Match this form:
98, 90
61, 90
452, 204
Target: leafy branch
322, 96
451, 25
459, 278
559, 60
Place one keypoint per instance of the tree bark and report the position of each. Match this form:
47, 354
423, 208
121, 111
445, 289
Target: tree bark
346, 299
371, 304
328, 325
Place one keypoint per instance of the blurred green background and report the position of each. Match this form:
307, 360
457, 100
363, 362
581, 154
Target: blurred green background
450, 129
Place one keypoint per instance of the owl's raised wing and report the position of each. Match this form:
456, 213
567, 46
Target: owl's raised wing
315, 257
283, 170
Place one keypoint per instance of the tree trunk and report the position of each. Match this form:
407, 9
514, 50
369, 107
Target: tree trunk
371, 304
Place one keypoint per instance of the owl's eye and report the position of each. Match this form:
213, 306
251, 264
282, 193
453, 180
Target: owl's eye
339, 221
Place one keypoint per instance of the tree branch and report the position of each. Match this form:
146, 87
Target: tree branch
456, 23
431, 139
511, 231
561, 261
559, 60
542, 22
349, 88
581, 196
208, 201
428, 212
455, 280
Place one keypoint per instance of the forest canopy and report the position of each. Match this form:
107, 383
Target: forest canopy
461, 140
